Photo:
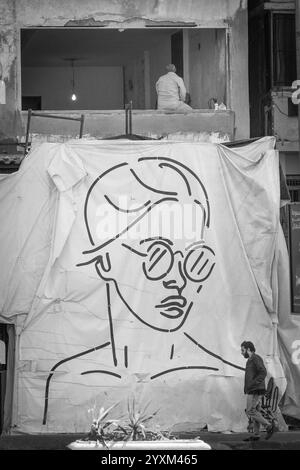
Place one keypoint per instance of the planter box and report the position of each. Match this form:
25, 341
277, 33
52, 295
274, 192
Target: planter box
176, 444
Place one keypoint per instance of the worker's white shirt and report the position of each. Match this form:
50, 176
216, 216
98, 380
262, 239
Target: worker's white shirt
170, 91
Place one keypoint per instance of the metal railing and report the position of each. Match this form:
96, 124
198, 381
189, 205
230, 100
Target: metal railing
32, 113
128, 118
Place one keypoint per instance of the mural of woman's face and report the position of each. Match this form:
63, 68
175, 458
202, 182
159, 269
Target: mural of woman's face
159, 274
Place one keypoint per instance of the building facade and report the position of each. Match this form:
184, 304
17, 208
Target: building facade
114, 54
272, 72
111, 53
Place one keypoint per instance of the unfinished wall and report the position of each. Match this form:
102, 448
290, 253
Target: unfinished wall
15, 15
158, 63
239, 83
96, 87
207, 66
10, 118
106, 12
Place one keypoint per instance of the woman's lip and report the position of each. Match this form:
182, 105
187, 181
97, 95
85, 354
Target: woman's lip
173, 300
170, 305
167, 314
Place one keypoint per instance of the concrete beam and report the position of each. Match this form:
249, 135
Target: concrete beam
112, 123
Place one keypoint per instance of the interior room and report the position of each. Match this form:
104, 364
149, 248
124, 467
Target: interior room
103, 69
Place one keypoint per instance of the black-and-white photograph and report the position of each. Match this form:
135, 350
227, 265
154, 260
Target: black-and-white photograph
150, 228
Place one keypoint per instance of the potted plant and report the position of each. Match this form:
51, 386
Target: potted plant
132, 434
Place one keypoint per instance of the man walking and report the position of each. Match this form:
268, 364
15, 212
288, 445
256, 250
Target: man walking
254, 388
171, 92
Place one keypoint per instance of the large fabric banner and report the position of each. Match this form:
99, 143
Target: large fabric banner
139, 267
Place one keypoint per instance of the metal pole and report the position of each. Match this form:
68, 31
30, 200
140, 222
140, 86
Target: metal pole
126, 119
27, 131
81, 126
228, 67
54, 116
271, 26
130, 117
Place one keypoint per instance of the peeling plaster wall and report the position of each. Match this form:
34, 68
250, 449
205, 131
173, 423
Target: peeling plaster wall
103, 88
10, 118
17, 14
7, 32
239, 74
207, 60
57, 13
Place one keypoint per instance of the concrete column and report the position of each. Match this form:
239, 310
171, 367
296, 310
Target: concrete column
186, 59
147, 80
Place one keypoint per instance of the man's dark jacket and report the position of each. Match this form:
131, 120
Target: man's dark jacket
255, 375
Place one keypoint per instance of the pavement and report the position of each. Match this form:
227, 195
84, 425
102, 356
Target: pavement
289, 440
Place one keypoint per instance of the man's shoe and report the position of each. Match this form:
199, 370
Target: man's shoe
252, 438
270, 430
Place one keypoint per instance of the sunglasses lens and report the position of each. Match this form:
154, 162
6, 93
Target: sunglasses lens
197, 266
159, 261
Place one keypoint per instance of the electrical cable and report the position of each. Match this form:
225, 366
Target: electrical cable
280, 110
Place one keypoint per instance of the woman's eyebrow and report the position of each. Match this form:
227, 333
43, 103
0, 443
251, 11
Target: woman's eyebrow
133, 250
195, 244
156, 238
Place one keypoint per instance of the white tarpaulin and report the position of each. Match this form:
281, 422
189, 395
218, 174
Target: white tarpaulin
140, 267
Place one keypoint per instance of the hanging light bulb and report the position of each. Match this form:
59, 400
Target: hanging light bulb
73, 96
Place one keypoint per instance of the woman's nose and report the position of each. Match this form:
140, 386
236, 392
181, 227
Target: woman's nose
175, 279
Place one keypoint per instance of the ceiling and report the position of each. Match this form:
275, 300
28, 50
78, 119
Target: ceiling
50, 47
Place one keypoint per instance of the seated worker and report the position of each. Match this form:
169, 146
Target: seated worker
171, 92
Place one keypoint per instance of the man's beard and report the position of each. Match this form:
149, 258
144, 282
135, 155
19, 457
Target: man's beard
246, 355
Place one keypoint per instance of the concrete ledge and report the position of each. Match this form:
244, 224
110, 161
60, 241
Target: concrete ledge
110, 123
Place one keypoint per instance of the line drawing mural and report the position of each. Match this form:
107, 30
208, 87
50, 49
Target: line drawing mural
171, 268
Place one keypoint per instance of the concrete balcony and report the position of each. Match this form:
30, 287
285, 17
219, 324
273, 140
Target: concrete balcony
148, 123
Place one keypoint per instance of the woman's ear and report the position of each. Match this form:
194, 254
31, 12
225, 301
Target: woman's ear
103, 266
